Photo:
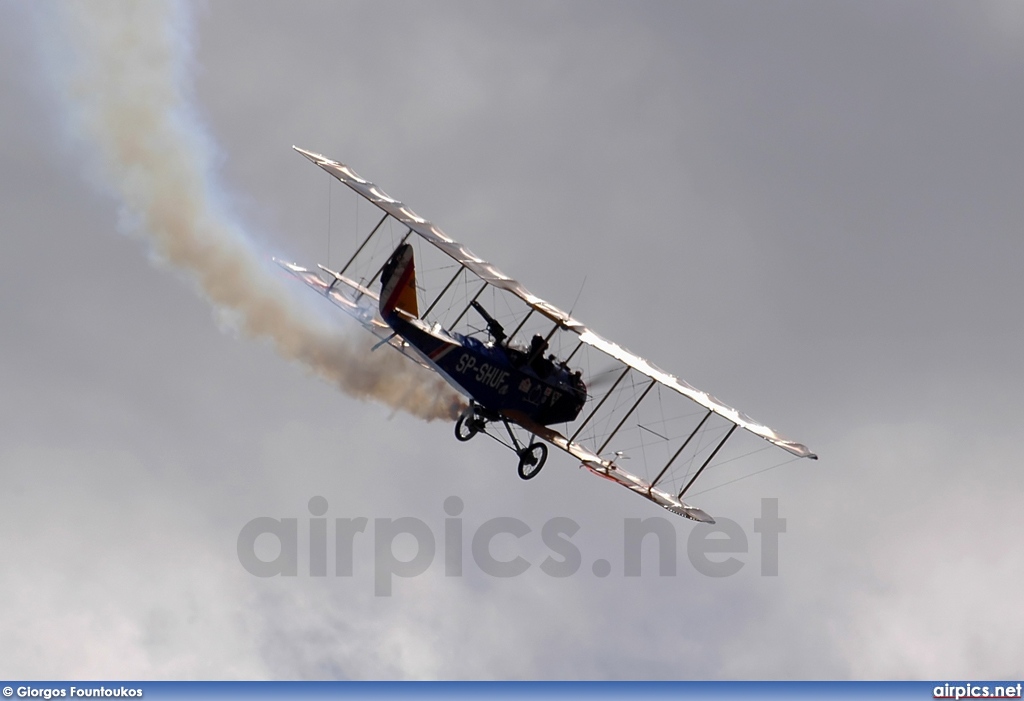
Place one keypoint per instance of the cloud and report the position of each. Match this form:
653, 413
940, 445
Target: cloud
113, 574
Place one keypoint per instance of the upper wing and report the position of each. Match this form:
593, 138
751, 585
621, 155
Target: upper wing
493, 276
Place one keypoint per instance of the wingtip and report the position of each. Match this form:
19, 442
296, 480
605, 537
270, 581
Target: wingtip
699, 515
690, 512
798, 449
289, 266
308, 154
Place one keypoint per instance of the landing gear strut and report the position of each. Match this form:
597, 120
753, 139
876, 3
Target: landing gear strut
474, 420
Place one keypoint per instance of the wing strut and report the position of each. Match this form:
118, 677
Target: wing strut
438, 298
578, 346
363, 244
468, 306
612, 435
521, 323
599, 404
685, 443
708, 461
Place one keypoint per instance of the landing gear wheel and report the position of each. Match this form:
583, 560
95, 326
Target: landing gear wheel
468, 425
531, 460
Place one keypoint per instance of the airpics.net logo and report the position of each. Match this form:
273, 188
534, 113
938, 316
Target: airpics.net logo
407, 547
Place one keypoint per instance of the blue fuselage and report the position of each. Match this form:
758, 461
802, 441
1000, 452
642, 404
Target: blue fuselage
499, 378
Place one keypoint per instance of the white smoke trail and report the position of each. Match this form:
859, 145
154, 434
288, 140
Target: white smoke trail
125, 82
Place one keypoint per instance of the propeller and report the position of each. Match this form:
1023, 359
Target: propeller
604, 377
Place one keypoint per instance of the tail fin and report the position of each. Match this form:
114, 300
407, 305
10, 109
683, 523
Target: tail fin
398, 283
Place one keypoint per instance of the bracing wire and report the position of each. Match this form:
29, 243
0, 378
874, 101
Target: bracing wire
723, 484
330, 182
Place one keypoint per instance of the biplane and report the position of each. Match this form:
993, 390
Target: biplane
566, 387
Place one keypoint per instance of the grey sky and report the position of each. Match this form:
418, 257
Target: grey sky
811, 210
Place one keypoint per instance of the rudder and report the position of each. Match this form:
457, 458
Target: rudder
398, 283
